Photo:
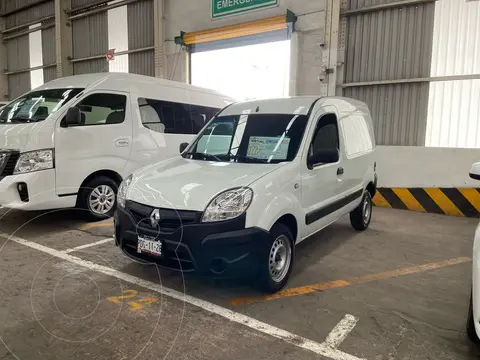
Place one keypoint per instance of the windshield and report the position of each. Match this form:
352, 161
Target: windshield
36, 106
254, 138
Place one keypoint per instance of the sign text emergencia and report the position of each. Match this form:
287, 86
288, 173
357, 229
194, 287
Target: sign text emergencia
221, 8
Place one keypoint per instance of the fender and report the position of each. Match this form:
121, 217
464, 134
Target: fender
283, 204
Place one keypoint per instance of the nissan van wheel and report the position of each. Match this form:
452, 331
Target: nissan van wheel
471, 332
99, 198
360, 217
276, 266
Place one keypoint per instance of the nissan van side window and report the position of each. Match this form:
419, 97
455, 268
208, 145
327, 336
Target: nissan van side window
103, 109
36, 106
173, 118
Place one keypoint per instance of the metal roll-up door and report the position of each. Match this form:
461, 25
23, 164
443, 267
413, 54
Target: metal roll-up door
256, 32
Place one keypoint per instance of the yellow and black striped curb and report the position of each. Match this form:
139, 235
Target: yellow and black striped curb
448, 201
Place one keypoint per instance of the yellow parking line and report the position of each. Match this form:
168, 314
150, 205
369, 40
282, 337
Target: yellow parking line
407, 198
94, 226
447, 206
302, 290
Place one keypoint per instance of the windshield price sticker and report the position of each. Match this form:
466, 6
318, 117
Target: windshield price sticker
268, 148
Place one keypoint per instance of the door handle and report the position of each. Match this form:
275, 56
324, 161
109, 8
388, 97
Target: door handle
121, 142
340, 171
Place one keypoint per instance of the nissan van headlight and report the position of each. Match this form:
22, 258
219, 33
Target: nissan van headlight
34, 161
122, 191
228, 205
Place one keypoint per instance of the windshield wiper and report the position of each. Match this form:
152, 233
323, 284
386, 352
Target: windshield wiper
21, 119
249, 159
204, 155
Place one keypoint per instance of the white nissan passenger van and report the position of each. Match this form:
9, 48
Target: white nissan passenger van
261, 177
71, 141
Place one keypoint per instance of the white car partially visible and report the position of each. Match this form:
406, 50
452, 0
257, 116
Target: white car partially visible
473, 322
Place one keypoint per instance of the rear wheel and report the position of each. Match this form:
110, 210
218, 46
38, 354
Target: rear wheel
99, 198
276, 266
360, 217
471, 332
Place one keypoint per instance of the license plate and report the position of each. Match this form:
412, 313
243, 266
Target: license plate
149, 245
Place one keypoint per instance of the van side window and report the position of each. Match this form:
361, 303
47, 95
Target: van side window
103, 109
357, 136
326, 135
174, 118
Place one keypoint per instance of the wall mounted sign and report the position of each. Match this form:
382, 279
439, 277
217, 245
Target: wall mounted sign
223, 8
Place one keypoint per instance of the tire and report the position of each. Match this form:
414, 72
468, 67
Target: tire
98, 185
471, 332
281, 240
360, 217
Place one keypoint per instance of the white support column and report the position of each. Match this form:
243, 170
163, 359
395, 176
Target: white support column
3, 66
294, 62
159, 38
332, 24
63, 38
342, 47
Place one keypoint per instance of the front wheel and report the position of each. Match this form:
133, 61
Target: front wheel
471, 332
99, 198
360, 217
276, 265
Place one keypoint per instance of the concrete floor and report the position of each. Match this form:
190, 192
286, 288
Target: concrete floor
410, 302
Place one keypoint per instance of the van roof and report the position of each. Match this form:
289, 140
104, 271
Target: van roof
299, 105
118, 81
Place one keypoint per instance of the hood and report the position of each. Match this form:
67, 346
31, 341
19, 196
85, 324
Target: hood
185, 184
24, 137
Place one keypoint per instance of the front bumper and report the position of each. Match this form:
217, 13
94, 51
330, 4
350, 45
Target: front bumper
41, 192
222, 250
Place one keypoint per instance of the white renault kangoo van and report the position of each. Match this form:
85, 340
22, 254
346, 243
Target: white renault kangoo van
261, 177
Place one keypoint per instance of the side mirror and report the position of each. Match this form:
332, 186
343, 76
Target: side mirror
475, 171
183, 146
74, 117
328, 156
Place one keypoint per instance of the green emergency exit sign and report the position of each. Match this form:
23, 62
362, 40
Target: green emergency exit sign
222, 8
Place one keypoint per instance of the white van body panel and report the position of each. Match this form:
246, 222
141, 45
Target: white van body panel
189, 184
84, 150
285, 189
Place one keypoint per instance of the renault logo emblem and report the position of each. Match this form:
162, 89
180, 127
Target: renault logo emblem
155, 218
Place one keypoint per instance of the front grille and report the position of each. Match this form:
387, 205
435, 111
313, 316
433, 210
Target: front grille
8, 160
170, 219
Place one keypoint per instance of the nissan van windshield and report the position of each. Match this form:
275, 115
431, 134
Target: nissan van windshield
36, 105
250, 138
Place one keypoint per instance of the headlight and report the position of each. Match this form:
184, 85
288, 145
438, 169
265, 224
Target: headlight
228, 205
34, 161
122, 191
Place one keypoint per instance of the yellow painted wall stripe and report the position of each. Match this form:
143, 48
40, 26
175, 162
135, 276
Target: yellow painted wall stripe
472, 196
379, 200
447, 206
407, 198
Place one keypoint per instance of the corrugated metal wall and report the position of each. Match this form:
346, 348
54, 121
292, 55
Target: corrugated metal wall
18, 53
454, 107
23, 13
82, 3
30, 14
18, 84
391, 44
48, 46
140, 35
12, 5
90, 38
